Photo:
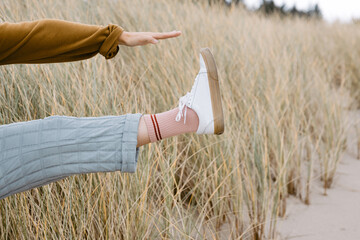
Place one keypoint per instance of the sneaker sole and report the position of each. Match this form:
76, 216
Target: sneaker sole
214, 90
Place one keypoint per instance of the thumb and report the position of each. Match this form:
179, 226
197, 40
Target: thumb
154, 41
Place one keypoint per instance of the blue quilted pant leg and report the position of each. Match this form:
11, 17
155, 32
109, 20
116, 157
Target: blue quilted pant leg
38, 152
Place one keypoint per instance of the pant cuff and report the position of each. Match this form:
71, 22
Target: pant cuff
129, 151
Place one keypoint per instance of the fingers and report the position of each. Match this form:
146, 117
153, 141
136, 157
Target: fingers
155, 37
132, 39
166, 35
149, 39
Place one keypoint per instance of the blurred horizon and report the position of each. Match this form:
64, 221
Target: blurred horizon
332, 10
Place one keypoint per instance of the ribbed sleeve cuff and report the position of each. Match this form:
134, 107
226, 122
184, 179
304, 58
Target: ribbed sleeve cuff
110, 46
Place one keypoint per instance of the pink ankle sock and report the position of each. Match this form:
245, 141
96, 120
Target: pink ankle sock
163, 125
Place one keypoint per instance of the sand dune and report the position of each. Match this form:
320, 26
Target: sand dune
336, 215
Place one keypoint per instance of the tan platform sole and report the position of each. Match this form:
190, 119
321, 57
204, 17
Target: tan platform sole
214, 90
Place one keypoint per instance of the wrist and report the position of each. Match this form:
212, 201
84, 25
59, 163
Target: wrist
123, 37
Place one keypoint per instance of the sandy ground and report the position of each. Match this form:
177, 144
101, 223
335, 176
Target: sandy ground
337, 215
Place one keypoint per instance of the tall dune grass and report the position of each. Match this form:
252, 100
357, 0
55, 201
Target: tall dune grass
279, 81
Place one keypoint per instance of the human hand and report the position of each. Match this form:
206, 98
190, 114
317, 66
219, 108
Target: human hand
132, 39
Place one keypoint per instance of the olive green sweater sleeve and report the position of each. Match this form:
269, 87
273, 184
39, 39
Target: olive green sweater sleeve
50, 41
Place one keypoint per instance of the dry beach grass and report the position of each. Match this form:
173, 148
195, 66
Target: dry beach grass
279, 79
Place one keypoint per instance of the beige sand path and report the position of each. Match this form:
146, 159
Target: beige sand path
337, 215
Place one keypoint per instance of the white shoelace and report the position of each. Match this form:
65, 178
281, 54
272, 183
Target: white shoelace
184, 102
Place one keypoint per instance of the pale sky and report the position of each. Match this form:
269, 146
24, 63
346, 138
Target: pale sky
332, 10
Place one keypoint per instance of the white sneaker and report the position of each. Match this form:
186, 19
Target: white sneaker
204, 97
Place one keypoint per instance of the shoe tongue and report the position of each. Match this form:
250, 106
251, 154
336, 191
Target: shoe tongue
202, 63
192, 92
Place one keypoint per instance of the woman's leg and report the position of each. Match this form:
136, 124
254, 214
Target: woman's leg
143, 136
38, 152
